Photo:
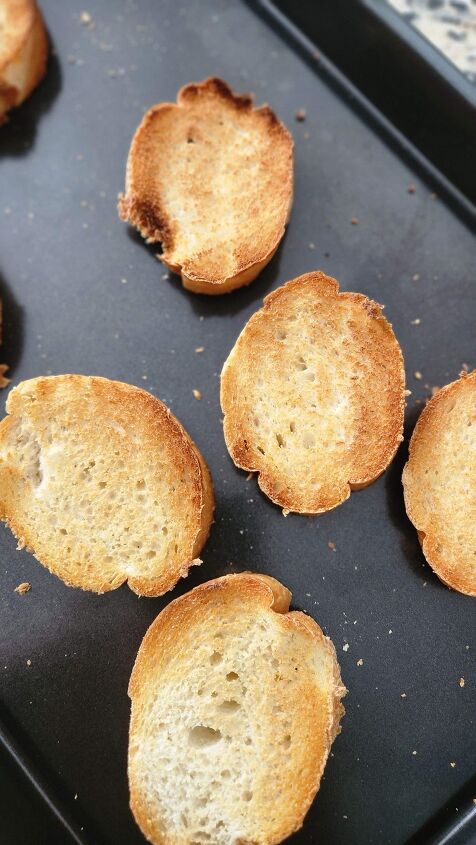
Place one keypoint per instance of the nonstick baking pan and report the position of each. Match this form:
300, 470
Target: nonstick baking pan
82, 293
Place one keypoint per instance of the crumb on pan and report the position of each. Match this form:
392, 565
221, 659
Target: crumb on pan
461, 682
23, 588
199, 349
354, 221
300, 115
411, 189
197, 394
332, 546
360, 662
418, 375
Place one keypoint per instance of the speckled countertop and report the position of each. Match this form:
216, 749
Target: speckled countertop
450, 25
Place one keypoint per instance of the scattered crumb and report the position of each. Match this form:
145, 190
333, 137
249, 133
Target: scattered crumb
360, 662
300, 115
75, 796
416, 321
332, 546
414, 753
197, 394
354, 221
411, 189
286, 511
433, 196
345, 647
390, 631
86, 18
461, 682
465, 368
124, 281
71, 60
415, 277
200, 349
453, 765
418, 375
407, 392
28, 662
249, 476
434, 390
23, 588
4, 381
312, 246
403, 695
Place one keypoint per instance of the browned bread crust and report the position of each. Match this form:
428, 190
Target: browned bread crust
313, 394
23, 52
102, 484
439, 483
235, 705
211, 179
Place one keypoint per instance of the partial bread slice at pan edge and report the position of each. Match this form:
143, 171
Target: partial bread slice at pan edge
439, 483
23, 52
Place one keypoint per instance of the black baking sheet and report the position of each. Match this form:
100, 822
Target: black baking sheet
83, 294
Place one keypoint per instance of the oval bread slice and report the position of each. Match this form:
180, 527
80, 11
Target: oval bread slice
23, 52
313, 394
101, 482
235, 705
211, 178
439, 483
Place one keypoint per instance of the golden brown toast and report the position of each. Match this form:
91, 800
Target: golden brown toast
439, 483
235, 705
211, 179
313, 394
23, 52
100, 481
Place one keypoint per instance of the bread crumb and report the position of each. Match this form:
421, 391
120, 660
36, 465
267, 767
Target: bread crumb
332, 546
312, 245
416, 321
249, 476
124, 281
197, 394
433, 196
4, 381
415, 277
414, 753
199, 349
354, 221
465, 368
461, 682
23, 588
286, 511
300, 115
28, 662
345, 647
86, 18
403, 695
453, 765
360, 662
411, 189
418, 375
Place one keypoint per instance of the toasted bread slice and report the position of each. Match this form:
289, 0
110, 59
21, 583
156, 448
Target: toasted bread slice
23, 52
101, 482
211, 178
313, 394
235, 705
439, 483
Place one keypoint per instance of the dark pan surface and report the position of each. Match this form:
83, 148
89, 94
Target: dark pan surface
83, 294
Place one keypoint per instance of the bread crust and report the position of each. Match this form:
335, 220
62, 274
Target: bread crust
442, 452
261, 355
162, 643
23, 52
208, 162
136, 427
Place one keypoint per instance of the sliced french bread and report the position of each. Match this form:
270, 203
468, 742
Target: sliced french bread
313, 394
100, 481
211, 179
23, 52
235, 705
439, 483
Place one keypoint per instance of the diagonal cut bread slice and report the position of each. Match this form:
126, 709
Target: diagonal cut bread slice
439, 483
235, 706
100, 481
313, 394
23, 52
211, 178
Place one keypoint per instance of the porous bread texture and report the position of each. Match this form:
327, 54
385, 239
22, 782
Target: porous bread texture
23, 52
235, 705
313, 394
211, 178
100, 481
439, 483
